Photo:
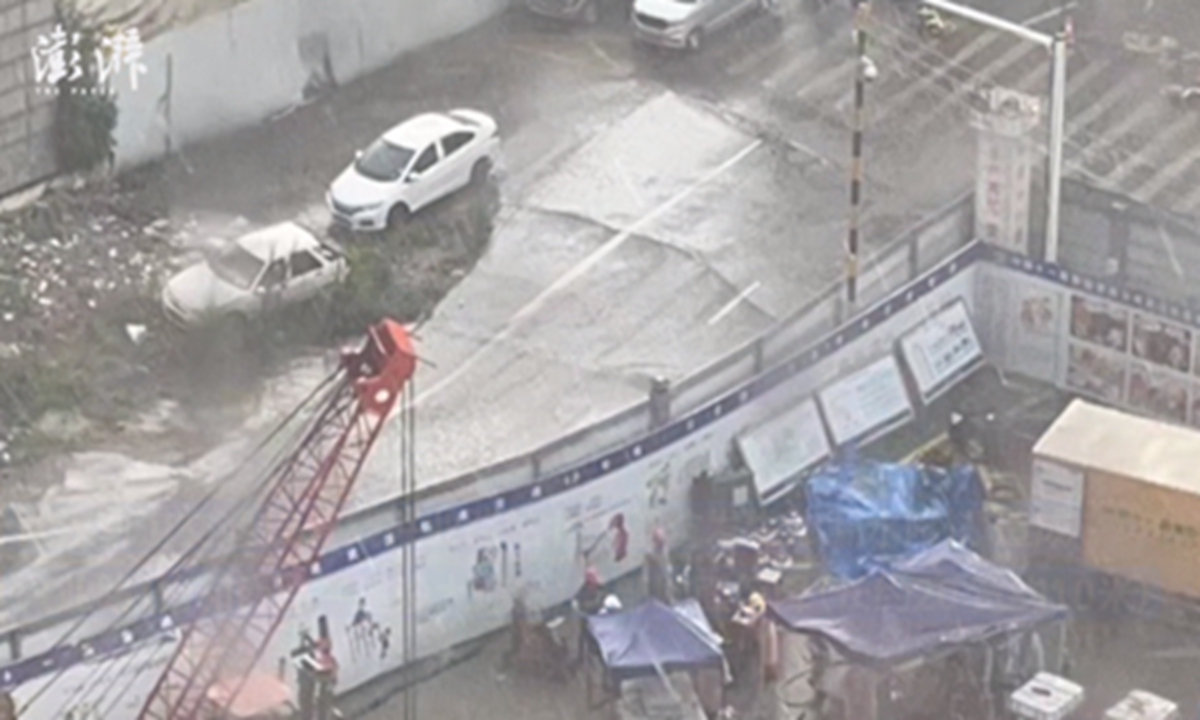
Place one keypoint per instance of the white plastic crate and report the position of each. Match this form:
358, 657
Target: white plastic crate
1046, 697
1141, 705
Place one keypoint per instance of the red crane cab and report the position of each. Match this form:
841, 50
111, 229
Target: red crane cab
382, 367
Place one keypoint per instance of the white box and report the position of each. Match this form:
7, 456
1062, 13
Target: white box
1046, 697
1141, 705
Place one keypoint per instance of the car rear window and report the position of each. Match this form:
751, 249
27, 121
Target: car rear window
464, 119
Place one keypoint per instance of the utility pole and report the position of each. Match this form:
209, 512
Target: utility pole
1057, 46
866, 72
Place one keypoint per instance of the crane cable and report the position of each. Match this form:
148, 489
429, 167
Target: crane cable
175, 529
102, 669
119, 666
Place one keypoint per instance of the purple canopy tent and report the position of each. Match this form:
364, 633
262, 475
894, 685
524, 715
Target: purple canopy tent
654, 638
943, 596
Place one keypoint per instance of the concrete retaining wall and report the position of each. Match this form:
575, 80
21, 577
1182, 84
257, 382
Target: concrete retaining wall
236, 68
26, 115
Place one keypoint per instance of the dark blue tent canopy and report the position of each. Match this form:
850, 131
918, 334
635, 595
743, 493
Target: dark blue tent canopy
654, 637
945, 595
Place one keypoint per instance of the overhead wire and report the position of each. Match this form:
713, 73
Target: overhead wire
170, 535
1078, 139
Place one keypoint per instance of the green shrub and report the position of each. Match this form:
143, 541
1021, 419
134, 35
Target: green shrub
362, 299
29, 388
83, 121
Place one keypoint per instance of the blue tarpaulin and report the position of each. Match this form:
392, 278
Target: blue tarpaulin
653, 638
867, 512
943, 596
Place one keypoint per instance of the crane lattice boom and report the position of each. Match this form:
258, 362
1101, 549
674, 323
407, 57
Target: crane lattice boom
248, 597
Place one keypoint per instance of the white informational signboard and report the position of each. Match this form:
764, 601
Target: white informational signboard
784, 446
940, 349
1057, 498
870, 400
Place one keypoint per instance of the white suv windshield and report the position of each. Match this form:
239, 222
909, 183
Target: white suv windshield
383, 161
236, 266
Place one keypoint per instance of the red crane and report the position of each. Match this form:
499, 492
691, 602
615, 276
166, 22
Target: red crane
249, 595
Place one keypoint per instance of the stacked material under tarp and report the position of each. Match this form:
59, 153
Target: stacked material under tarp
943, 596
865, 513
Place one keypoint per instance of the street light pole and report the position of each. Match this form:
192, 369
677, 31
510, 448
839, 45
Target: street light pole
862, 76
1058, 113
1057, 46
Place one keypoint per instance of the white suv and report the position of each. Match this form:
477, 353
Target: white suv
413, 165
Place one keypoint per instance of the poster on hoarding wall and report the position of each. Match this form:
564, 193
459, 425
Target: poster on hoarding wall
941, 349
602, 528
1056, 498
1161, 343
1194, 405
1034, 340
1100, 323
1096, 372
866, 403
783, 447
1157, 392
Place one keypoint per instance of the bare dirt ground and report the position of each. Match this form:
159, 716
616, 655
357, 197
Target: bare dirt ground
85, 344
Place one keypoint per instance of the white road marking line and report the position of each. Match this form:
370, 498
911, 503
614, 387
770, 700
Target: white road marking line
599, 52
582, 268
836, 75
1115, 93
729, 306
1167, 175
983, 76
1028, 82
1145, 156
38, 536
1042, 17
1193, 199
955, 63
1076, 82
763, 53
1115, 134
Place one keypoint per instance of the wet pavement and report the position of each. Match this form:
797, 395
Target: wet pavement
1108, 661
620, 248
643, 194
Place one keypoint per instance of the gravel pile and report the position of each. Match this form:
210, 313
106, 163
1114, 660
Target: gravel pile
70, 256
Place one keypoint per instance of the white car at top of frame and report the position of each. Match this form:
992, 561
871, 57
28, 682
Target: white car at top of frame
413, 165
279, 265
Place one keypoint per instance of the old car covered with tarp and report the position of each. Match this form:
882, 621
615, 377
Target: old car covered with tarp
865, 512
942, 630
